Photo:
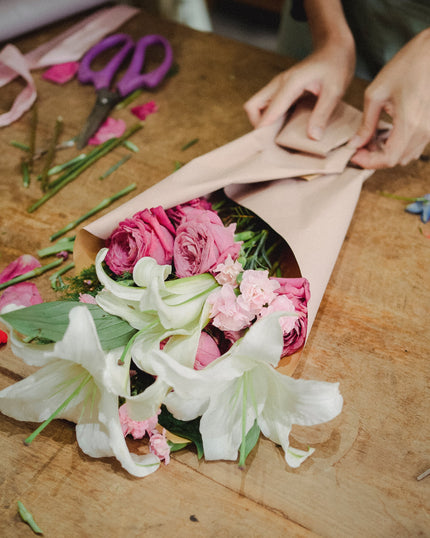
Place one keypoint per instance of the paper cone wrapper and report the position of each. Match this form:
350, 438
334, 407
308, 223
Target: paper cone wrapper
256, 172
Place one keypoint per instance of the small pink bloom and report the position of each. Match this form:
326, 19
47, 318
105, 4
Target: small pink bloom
226, 312
207, 351
281, 303
111, 128
61, 73
142, 111
87, 298
21, 294
159, 446
148, 233
18, 267
227, 272
136, 428
257, 290
3, 338
202, 242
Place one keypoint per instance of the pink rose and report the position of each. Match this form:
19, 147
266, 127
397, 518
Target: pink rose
297, 290
207, 351
147, 233
256, 290
202, 242
179, 212
226, 312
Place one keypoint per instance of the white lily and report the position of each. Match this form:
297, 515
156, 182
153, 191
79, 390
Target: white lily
176, 303
242, 386
79, 382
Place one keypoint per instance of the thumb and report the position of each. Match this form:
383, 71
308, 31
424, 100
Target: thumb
369, 122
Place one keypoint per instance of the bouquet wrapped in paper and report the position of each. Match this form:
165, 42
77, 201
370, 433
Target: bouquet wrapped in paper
205, 288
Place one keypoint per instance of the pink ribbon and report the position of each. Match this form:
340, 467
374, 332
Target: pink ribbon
67, 47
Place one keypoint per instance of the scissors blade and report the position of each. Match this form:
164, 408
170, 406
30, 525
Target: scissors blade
105, 102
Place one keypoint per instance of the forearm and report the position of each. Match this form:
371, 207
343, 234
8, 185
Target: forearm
327, 23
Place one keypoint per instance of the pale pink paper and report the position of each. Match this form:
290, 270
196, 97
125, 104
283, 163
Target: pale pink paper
312, 217
67, 47
343, 124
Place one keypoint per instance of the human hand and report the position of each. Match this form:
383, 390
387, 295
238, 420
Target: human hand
402, 90
326, 73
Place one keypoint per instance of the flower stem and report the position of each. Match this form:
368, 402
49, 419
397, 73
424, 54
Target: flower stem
57, 277
115, 167
27, 517
51, 153
64, 244
102, 205
92, 158
30, 274
66, 402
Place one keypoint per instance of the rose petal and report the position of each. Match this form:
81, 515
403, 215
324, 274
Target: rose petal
61, 73
18, 267
111, 128
3, 337
21, 294
142, 111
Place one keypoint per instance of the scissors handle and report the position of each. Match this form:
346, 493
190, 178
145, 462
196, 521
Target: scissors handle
103, 77
133, 79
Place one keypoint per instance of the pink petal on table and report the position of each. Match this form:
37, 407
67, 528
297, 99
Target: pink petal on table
142, 111
61, 73
21, 294
111, 128
18, 267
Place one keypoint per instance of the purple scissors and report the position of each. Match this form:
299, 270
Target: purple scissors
132, 79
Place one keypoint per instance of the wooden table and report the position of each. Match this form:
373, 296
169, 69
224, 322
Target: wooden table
371, 334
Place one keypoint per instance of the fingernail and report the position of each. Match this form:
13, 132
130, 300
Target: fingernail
354, 142
316, 133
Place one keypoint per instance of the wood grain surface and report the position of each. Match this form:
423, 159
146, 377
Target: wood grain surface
371, 334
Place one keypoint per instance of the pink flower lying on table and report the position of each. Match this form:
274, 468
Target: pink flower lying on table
142, 111
61, 73
111, 128
203, 242
147, 233
159, 446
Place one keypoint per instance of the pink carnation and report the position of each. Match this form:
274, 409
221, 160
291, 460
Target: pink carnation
87, 298
297, 290
136, 428
111, 128
61, 73
257, 290
226, 312
202, 242
207, 351
159, 446
142, 111
147, 233
227, 272
281, 303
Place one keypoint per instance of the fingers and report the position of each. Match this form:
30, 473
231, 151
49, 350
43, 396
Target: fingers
373, 106
325, 105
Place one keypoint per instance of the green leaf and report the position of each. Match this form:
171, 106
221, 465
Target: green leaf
250, 442
27, 517
50, 321
186, 429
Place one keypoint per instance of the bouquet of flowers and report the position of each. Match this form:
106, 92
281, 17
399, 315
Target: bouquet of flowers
173, 337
